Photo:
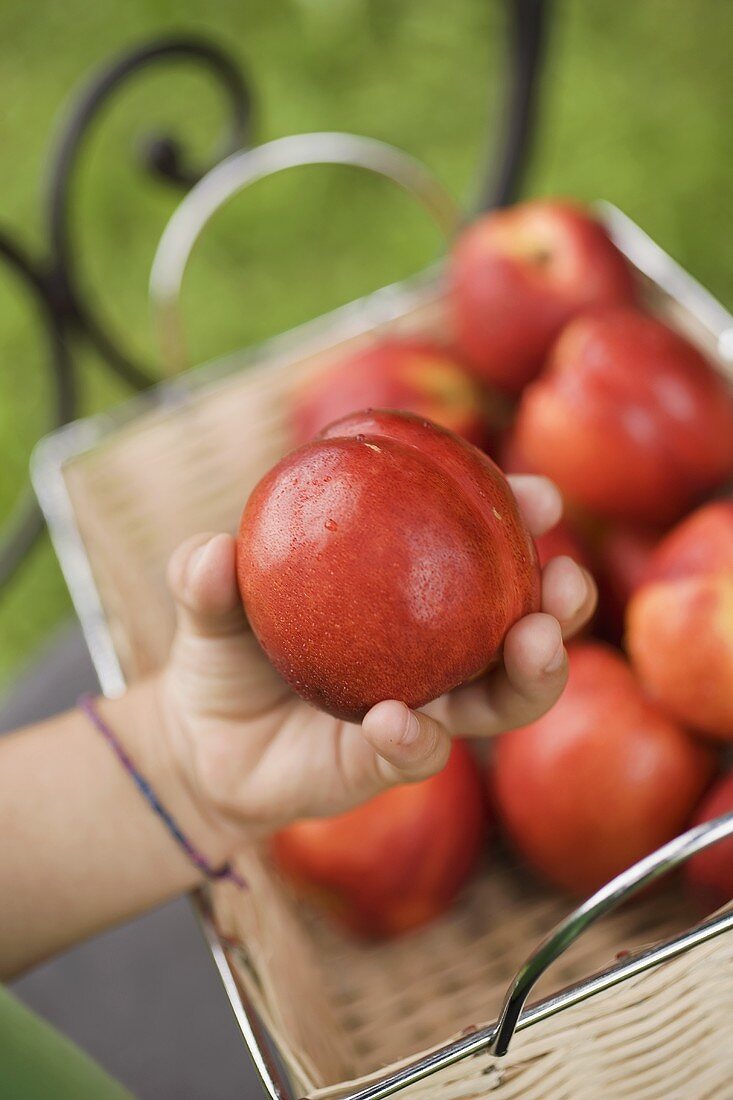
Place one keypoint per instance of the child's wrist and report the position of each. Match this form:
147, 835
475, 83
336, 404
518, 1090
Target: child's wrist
141, 723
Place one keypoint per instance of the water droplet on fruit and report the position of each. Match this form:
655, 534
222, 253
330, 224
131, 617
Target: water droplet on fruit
359, 438
331, 525
498, 515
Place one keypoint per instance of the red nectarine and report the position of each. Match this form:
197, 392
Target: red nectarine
406, 375
518, 275
600, 781
629, 418
384, 560
397, 861
679, 625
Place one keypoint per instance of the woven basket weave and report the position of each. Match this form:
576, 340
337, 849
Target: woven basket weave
340, 1011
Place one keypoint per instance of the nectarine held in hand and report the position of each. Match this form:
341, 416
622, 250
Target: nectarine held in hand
518, 275
397, 861
405, 375
709, 874
629, 419
600, 781
384, 560
679, 624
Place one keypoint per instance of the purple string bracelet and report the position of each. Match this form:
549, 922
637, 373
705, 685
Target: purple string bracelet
215, 874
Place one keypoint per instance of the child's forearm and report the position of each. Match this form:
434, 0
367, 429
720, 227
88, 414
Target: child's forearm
81, 847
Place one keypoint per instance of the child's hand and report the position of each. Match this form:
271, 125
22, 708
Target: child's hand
255, 756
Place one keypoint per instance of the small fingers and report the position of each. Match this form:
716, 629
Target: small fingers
569, 593
409, 745
534, 656
539, 501
519, 691
202, 580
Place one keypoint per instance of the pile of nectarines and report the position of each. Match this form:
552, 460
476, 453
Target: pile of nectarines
386, 557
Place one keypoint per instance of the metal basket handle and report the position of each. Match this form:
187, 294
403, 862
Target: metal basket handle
237, 172
609, 897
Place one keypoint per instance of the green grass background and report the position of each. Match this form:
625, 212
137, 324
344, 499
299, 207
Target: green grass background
636, 108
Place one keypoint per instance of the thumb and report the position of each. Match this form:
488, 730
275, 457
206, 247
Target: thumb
202, 580
409, 745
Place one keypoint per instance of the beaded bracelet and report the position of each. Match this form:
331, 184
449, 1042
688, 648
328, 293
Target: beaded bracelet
226, 873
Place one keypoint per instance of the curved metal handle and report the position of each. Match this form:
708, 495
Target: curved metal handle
242, 169
164, 155
52, 277
609, 897
504, 174
21, 529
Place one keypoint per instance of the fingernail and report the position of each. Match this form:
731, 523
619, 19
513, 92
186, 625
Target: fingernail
557, 660
581, 590
411, 731
197, 556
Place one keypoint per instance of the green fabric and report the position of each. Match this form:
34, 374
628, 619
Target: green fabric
37, 1063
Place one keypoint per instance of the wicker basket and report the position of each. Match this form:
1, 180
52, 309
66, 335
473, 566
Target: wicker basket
615, 1017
